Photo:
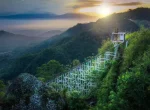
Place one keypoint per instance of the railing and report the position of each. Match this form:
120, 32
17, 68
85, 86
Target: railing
79, 78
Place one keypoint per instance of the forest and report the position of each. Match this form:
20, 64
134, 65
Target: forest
123, 85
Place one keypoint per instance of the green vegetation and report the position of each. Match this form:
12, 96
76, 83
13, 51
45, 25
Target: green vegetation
75, 62
126, 83
64, 51
76, 101
123, 85
106, 46
2, 90
78, 42
50, 70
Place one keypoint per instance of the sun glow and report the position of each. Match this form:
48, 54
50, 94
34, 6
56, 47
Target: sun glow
104, 10
101, 11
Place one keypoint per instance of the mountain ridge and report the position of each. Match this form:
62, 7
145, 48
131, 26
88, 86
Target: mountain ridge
10, 41
50, 33
46, 16
78, 42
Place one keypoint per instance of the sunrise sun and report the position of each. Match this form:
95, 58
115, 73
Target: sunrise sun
104, 10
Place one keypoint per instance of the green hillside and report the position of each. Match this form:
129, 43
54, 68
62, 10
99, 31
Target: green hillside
123, 85
78, 42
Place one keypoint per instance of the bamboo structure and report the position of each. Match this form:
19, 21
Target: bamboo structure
80, 78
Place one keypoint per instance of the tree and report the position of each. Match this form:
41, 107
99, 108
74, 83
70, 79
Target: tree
76, 101
75, 62
2, 89
50, 70
107, 45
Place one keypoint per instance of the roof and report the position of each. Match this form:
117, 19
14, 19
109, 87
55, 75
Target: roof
119, 33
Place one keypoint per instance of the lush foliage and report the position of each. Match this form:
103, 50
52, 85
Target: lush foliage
123, 85
49, 70
76, 101
138, 49
2, 89
106, 46
75, 62
126, 83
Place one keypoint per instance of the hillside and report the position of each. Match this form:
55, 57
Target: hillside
78, 42
51, 33
128, 21
37, 33
123, 85
10, 41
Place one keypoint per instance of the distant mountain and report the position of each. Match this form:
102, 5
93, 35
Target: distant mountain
29, 16
10, 41
137, 14
46, 16
74, 16
27, 32
50, 33
102, 28
38, 32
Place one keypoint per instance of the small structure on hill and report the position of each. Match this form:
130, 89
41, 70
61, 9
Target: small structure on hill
118, 37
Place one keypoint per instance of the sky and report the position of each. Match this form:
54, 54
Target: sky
99, 8
67, 6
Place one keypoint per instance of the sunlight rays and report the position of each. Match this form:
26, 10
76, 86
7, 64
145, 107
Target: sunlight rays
104, 10
101, 10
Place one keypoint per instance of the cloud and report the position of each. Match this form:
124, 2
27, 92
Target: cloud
85, 3
93, 3
129, 4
